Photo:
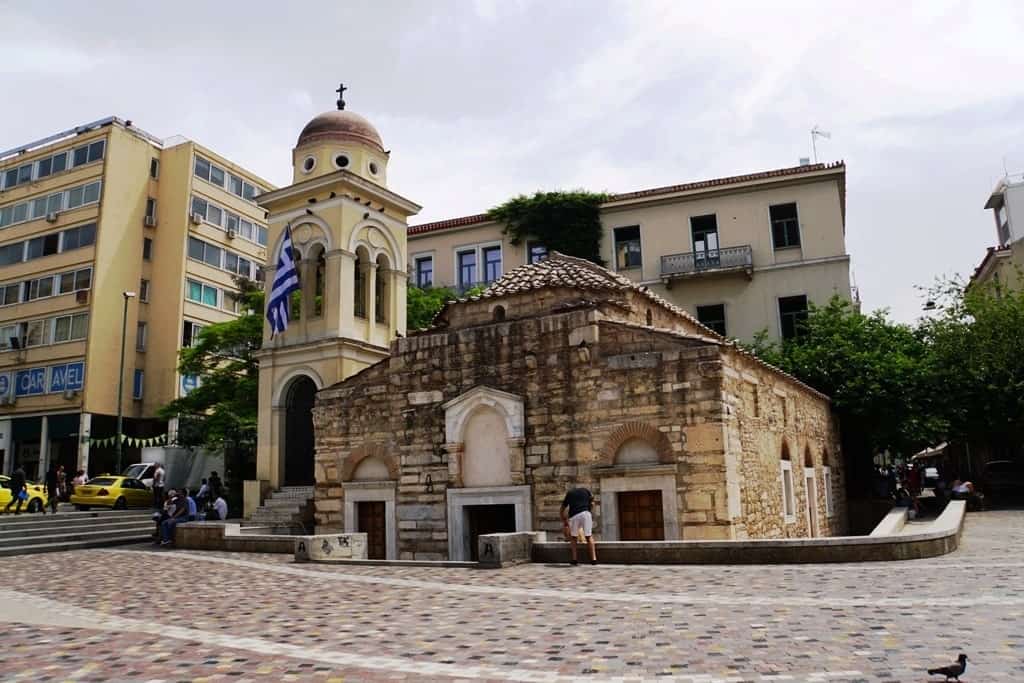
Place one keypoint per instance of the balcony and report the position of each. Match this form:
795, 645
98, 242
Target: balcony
724, 261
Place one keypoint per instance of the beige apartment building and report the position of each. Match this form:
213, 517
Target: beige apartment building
1003, 264
742, 254
87, 215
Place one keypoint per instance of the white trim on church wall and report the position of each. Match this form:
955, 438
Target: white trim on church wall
458, 410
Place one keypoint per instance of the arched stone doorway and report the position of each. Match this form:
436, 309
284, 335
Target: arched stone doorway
299, 453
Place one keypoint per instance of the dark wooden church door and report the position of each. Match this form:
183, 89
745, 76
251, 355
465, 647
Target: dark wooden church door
640, 517
373, 524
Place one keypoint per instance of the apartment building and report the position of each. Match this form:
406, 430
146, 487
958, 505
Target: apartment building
1004, 262
87, 215
742, 253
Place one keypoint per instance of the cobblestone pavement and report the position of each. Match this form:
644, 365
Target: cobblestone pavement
138, 614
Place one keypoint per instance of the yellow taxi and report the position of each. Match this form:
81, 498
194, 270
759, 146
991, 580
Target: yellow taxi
112, 492
37, 497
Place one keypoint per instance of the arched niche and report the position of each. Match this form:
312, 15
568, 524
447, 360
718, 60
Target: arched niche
636, 451
486, 460
372, 468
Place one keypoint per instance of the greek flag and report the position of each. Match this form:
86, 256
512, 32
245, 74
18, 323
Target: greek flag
286, 281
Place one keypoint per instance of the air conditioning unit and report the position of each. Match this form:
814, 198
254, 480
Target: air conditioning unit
82, 296
70, 394
149, 221
52, 216
196, 218
231, 233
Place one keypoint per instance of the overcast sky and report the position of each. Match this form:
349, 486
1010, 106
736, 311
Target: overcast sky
482, 100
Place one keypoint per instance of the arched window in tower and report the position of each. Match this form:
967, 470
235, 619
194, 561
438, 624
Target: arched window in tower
295, 303
319, 277
381, 293
359, 283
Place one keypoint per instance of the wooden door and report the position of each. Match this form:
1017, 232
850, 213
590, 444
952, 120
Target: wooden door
640, 517
372, 522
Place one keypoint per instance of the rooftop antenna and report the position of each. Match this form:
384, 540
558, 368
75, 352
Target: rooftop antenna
817, 132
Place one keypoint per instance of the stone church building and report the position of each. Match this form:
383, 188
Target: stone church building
565, 374
560, 374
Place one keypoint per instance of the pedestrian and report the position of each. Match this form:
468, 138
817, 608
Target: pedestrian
62, 485
203, 497
190, 502
78, 480
220, 509
216, 486
19, 494
178, 514
576, 517
52, 489
158, 486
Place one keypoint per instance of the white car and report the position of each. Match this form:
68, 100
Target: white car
142, 471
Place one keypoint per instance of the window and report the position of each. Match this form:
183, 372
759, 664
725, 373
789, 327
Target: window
713, 316
44, 167
235, 184
147, 249
190, 333
35, 333
217, 175
202, 293
792, 315
80, 155
154, 168
137, 382
536, 252
467, 268
24, 173
829, 511
202, 168
10, 294
82, 236
37, 208
12, 253
96, 150
60, 162
359, 286
424, 271
249, 191
704, 232
6, 333
381, 297
140, 336
785, 226
215, 215
70, 327
788, 502
627, 247
492, 263
45, 245
199, 206
150, 208
75, 280
144, 291
245, 229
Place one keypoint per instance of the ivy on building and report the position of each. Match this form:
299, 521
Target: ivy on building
568, 222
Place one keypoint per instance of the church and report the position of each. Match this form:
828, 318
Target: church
560, 374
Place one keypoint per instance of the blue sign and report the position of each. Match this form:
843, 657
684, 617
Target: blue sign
68, 377
31, 382
188, 383
5, 384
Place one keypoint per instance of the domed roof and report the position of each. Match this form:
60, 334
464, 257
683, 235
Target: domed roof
343, 126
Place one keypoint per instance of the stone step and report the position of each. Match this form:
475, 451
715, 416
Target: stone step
278, 495
76, 535
32, 531
24, 520
258, 516
71, 544
283, 503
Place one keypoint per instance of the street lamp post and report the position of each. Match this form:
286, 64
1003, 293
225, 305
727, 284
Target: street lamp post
120, 379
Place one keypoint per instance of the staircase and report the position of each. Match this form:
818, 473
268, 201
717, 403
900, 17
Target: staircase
289, 506
37, 533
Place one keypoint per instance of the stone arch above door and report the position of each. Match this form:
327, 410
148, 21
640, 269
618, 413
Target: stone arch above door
458, 411
637, 430
351, 463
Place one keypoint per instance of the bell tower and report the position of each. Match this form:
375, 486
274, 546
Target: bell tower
348, 235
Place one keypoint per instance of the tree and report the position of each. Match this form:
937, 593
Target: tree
221, 412
569, 222
421, 305
976, 342
878, 374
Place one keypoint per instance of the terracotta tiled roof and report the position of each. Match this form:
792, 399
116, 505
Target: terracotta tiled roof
990, 253
655, 191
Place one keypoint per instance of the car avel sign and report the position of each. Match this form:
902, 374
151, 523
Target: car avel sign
48, 380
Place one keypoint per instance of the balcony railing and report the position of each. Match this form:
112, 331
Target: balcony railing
712, 261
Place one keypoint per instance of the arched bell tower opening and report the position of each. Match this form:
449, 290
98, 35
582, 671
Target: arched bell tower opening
299, 449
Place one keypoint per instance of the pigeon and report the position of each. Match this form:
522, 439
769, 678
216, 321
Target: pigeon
953, 670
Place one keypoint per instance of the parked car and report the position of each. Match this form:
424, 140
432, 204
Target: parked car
112, 492
143, 471
1003, 479
37, 497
